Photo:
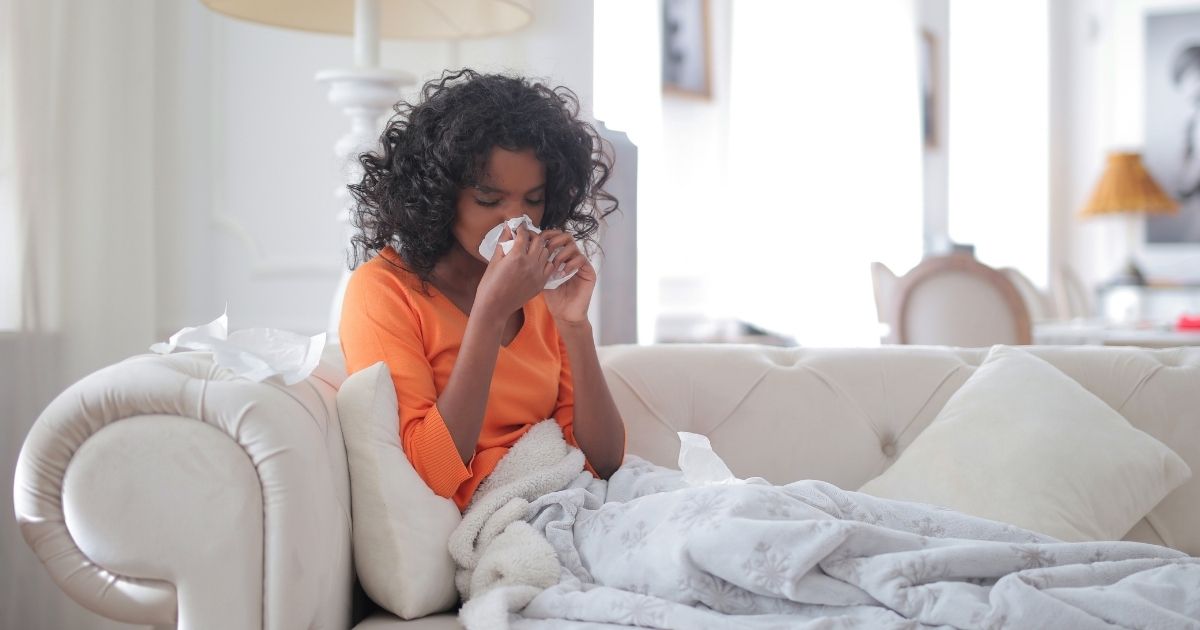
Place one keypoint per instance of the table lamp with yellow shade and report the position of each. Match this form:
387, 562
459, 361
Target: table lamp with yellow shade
1126, 188
366, 92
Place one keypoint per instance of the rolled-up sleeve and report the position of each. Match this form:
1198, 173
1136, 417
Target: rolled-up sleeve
379, 324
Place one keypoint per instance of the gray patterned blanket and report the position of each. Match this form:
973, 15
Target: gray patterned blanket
647, 549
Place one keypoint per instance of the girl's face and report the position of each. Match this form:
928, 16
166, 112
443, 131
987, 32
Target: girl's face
513, 183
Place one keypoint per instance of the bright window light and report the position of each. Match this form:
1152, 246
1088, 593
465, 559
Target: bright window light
774, 215
999, 133
826, 164
627, 96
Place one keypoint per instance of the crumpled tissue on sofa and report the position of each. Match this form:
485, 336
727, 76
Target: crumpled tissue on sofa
253, 353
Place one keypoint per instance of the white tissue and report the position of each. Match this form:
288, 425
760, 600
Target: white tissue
488, 246
253, 353
700, 465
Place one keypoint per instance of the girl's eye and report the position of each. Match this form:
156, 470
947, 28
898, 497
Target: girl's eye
492, 204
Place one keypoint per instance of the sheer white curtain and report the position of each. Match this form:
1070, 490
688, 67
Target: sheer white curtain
77, 215
825, 165
9, 306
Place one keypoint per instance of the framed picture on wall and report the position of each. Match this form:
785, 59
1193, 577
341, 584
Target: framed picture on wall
686, 59
1172, 122
929, 81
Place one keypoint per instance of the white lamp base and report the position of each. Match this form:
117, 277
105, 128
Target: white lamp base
365, 95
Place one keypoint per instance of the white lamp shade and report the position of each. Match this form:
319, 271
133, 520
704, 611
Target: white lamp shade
403, 19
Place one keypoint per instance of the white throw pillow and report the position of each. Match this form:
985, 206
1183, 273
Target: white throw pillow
401, 528
1023, 443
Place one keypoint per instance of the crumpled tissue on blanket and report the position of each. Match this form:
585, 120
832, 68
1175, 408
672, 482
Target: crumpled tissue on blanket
701, 465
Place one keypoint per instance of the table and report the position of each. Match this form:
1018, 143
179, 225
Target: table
1153, 302
1102, 333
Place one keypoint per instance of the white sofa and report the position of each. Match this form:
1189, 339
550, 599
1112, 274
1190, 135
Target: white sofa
242, 520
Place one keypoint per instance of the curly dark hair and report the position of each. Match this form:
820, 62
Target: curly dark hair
436, 147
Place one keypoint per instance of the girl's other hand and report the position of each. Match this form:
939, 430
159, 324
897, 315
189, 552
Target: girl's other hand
568, 303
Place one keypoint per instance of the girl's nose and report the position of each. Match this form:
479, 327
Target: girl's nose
513, 214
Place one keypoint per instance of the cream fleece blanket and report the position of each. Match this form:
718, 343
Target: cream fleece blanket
494, 545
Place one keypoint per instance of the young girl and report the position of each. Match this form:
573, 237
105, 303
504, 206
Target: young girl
478, 350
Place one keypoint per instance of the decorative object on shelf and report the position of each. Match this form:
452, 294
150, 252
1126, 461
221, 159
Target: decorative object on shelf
686, 60
698, 328
929, 82
1156, 304
962, 248
366, 92
1127, 189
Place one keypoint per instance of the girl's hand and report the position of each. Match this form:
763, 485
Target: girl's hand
513, 279
569, 302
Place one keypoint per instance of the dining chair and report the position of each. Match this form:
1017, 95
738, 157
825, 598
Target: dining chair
955, 300
1071, 294
1040, 305
883, 281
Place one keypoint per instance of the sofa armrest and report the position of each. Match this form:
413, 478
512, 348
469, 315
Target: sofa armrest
164, 489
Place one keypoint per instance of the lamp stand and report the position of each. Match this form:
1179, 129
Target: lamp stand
1130, 273
365, 93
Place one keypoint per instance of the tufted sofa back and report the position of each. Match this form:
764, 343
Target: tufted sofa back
844, 414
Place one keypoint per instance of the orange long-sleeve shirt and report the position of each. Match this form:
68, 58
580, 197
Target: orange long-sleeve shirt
385, 317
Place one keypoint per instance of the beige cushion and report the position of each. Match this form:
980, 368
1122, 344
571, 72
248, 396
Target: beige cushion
1023, 443
401, 528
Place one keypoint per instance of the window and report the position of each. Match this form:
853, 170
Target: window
999, 130
767, 200
826, 161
